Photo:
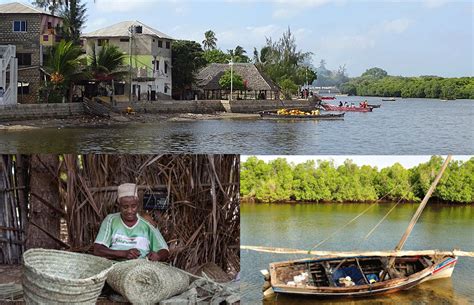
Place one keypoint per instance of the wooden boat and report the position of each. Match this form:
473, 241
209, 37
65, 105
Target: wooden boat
326, 276
339, 274
275, 115
328, 97
329, 107
389, 99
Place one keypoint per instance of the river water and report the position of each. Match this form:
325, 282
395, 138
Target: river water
407, 126
302, 226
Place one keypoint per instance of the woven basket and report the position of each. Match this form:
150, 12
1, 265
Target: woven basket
60, 277
145, 282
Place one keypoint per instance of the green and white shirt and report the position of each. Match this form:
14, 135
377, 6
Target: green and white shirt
116, 235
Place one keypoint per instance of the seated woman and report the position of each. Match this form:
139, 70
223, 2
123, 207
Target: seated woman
126, 235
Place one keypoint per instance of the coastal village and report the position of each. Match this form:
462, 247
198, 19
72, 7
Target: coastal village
140, 82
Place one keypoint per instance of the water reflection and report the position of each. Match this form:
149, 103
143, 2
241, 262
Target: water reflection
396, 128
302, 226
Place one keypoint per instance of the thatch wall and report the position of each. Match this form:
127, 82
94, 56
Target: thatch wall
201, 225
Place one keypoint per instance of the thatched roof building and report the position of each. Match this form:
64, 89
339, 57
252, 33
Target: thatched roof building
258, 85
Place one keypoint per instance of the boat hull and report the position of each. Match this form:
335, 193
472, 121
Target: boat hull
272, 115
440, 269
328, 107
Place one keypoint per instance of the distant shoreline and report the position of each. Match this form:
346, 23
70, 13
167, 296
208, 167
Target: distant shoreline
434, 201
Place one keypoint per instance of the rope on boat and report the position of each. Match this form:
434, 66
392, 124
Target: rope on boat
357, 253
338, 230
383, 218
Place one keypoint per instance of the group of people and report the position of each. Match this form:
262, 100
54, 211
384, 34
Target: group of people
363, 104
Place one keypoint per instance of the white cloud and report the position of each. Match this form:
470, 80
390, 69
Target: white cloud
123, 6
396, 26
95, 24
435, 3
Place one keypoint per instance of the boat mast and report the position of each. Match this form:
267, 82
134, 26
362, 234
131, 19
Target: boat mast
417, 215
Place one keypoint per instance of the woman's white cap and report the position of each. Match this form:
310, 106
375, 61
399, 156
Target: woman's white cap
126, 190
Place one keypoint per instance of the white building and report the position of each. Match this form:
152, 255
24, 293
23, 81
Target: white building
148, 52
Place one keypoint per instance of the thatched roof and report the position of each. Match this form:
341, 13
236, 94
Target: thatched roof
208, 77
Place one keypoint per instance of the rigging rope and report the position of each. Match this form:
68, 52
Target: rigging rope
386, 215
348, 223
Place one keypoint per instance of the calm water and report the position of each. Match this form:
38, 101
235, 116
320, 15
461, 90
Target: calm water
302, 226
407, 126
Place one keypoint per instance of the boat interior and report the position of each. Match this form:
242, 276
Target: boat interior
344, 272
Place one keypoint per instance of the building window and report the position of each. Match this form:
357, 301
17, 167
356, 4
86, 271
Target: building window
45, 38
19, 26
23, 88
24, 59
124, 39
160, 43
50, 25
166, 67
102, 42
166, 88
156, 64
168, 44
119, 89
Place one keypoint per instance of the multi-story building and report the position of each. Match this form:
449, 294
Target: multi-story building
32, 31
148, 55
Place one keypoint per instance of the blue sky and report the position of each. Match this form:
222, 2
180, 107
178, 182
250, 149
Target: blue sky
379, 161
409, 38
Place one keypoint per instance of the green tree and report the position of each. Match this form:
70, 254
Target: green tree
281, 60
210, 40
216, 56
74, 17
288, 88
107, 64
375, 73
238, 55
187, 59
66, 67
237, 81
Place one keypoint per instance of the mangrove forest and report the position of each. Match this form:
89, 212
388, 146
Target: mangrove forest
323, 181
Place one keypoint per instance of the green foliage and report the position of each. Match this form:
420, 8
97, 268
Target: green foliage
107, 64
238, 55
66, 65
322, 181
413, 87
187, 59
216, 56
237, 81
74, 17
210, 40
281, 61
375, 73
288, 88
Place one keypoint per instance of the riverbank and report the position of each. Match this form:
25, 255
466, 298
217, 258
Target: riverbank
119, 120
252, 201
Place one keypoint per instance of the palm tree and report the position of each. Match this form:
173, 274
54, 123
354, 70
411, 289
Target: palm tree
107, 64
210, 40
66, 67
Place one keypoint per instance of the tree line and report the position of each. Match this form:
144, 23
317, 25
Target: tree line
376, 82
323, 181
281, 60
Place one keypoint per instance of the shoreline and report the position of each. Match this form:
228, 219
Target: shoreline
87, 121
431, 201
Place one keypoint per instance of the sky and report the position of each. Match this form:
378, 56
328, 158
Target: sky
379, 161
404, 37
